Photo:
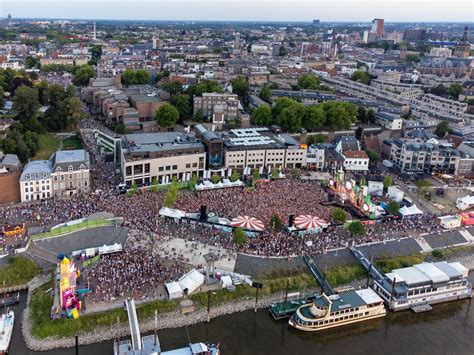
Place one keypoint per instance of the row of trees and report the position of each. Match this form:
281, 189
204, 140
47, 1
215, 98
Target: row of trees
135, 77
63, 112
291, 115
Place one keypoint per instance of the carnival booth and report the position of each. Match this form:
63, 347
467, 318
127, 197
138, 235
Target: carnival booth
68, 275
310, 223
247, 222
450, 222
467, 218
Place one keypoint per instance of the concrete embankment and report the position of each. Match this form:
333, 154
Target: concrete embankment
168, 320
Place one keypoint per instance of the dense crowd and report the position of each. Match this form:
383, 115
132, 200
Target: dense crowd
135, 272
282, 197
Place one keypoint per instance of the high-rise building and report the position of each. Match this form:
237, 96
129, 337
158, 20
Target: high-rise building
237, 40
316, 22
377, 27
156, 43
95, 33
9, 18
463, 49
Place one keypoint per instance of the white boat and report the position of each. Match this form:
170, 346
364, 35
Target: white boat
336, 310
6, 331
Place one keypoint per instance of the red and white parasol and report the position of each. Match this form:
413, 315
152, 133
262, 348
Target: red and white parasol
247, 222
309, 222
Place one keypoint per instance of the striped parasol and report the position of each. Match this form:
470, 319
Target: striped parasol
309, 222
247, 222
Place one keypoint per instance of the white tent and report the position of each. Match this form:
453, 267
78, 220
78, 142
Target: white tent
191, 281
174, 290
410, 211
108, 249
226, 281
463, 203
171, 213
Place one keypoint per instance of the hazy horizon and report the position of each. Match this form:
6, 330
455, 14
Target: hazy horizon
244, 10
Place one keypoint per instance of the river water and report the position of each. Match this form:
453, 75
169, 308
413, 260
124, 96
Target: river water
447, 329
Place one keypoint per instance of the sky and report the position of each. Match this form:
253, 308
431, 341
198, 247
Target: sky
245, 10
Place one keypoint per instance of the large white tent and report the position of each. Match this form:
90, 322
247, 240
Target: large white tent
410, 211
171, 213
174, 290
191, 281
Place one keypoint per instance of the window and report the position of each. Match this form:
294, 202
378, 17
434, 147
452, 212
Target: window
70, 168
128, 170
175, 167
160, 168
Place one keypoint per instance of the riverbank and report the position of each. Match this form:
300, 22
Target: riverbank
175, 319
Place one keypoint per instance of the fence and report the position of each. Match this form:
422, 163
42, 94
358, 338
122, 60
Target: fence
75, 227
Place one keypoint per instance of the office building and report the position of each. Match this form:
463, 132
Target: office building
377, 27
260, 148
161, 156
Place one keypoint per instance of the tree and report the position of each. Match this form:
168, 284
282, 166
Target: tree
173, 87
362, 114
387, 182
282, 51
205, 86
412, 58
262, 115
361, 76
96, 54
275, 173
439, 90
31, 62
234, 176
26, 106
239, 236
423, 183
339, 215
275, 223
193, 182
135, 77
314, 118
393, 207
454, 90
167, 116
442, 128
255, 175
240, 86
316, 139
265, 93
181, 102
215, 178
370, 115
288, 113
356, 228
308, 81
2, 97
296, 172
133, 189
374, 157
154, 185
82, 75
339, 114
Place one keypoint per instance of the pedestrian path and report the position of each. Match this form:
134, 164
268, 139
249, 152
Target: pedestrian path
423, 244
468, 236
192, 252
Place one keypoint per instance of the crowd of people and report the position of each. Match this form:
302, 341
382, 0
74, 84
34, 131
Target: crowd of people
135, 272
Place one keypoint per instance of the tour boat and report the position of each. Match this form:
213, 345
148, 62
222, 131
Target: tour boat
347, 307
6, 330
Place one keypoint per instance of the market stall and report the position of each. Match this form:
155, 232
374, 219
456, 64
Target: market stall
247, 222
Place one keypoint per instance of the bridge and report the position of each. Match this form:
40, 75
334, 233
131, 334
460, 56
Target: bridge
367, 265
133, 322
325, 286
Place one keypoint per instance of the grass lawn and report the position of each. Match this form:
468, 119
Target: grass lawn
48, 145
44, 326
72, 143
19, 271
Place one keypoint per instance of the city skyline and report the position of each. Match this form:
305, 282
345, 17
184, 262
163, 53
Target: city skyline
245, 10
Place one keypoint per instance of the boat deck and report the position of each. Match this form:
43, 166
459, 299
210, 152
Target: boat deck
421, 308
286, 309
